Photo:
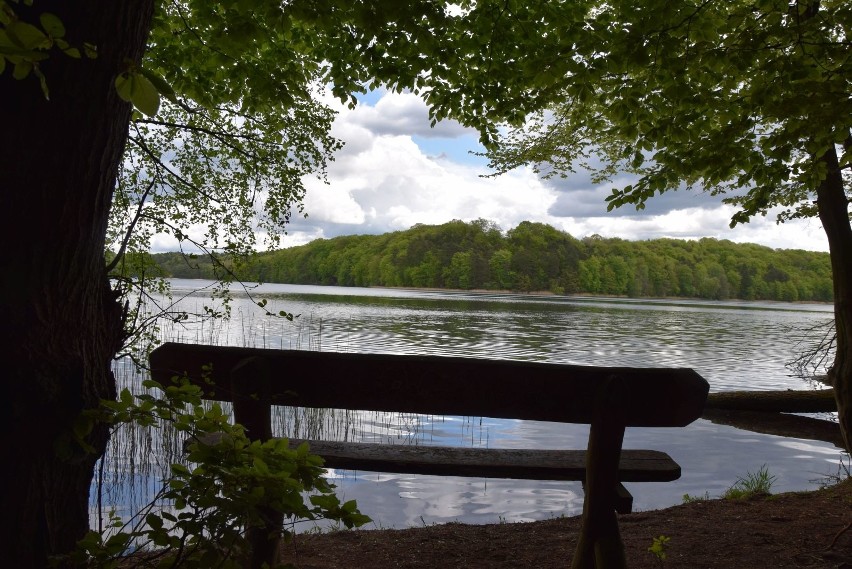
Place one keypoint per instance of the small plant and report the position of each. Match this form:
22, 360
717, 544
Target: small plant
689, 498
658, 547
752, 484
229, 484
844, 472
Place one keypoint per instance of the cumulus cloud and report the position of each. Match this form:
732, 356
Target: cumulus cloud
698, 222
392, 185
395, 171
403, 114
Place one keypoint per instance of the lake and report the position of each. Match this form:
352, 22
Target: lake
734, 345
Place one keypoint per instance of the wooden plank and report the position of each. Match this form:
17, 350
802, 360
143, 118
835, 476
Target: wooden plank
526, 464
623, 500
658, 397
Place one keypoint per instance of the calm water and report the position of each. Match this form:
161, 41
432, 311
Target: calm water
734, 345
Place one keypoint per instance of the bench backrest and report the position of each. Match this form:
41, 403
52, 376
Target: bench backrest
654, 397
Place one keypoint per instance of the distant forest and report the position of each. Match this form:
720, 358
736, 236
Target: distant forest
534, 257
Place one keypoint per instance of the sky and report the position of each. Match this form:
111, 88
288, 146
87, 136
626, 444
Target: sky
395, 171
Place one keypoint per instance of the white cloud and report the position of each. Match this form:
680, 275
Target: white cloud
395, 172
695, 223
391, 184
392, 174
403, 114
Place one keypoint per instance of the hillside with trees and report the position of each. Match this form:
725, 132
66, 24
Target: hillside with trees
536, 257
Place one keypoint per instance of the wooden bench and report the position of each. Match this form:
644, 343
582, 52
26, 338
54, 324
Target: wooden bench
607, 398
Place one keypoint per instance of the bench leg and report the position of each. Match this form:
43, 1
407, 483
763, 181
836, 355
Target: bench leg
599, 544
253, 411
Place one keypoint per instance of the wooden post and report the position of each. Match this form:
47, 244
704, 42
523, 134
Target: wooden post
599, 544
252, 409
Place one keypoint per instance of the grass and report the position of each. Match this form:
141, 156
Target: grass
752, 484
689, 498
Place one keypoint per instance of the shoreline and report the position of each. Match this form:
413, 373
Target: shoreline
546, 293
793, 529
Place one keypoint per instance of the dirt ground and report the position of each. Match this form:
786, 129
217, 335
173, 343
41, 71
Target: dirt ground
803, 529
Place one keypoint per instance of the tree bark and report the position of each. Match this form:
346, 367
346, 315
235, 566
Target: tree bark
61, 322
833, 207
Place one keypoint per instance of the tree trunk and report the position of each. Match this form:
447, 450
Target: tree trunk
61, 323
833, 209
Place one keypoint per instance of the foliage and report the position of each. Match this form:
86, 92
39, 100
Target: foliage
747, 100
228, 484
740, 99
25, 45
752, 484
658, 547
214, 173
224, 156
229, 130
689, 498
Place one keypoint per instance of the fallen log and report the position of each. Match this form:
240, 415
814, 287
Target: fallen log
768, 412
778, 424
788, 401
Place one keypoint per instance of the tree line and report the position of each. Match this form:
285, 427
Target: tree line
533, 257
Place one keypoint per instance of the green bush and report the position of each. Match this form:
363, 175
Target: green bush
230, 484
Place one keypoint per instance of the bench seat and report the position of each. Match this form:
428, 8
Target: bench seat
522, 464
525, 464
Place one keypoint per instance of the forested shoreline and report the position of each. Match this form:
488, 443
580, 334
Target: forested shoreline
532, 257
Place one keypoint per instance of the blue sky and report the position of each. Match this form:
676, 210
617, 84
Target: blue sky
395, 171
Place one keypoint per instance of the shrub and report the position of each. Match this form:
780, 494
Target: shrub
229, 484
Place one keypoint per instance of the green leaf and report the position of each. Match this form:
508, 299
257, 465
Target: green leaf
91, 50
161, 84
126, 397
325, 501
27, 35
145, 96
179, 469
22, 69
5, 41
52, 25
155, 521
124, 86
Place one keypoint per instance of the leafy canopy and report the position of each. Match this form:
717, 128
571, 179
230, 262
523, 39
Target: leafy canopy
230, 123
741, 98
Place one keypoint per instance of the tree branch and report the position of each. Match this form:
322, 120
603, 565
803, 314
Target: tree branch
129, 232
140, 142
